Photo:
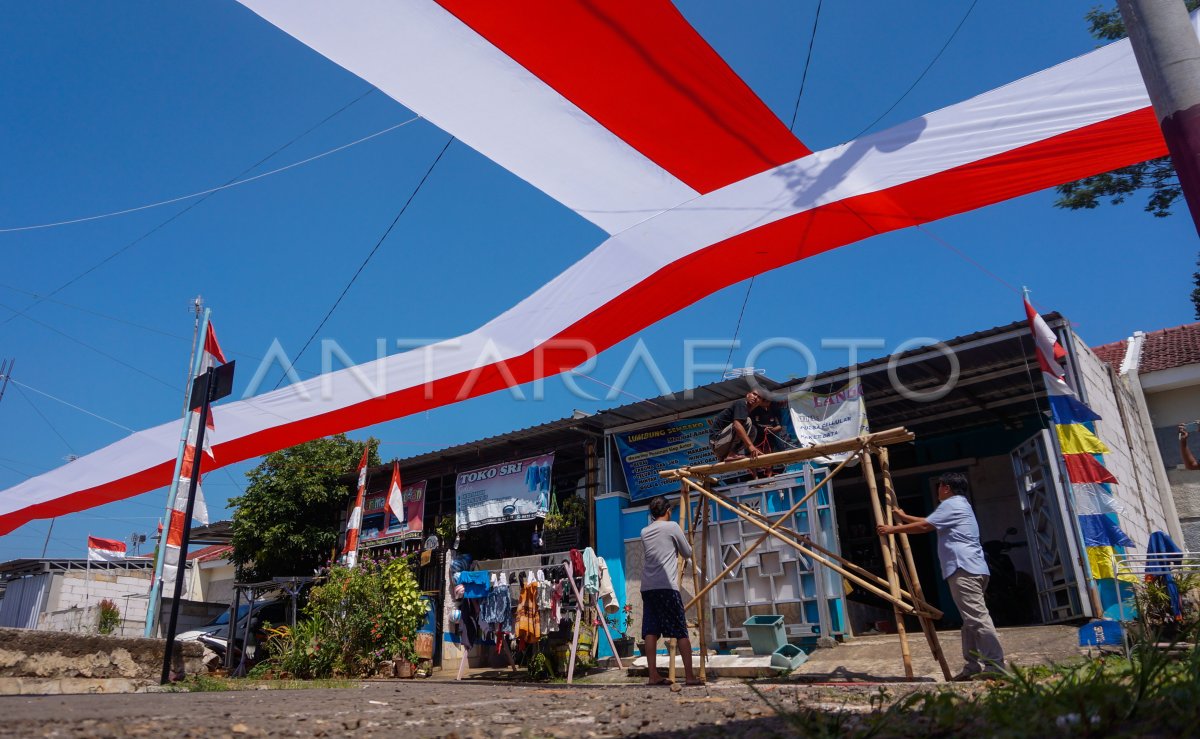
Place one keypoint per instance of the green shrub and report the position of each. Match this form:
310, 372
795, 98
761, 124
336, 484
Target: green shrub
356, 618
108, 618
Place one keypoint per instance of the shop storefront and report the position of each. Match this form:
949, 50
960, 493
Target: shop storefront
976, 405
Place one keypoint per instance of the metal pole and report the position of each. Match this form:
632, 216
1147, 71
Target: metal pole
181, 569
1168, 55
152, 608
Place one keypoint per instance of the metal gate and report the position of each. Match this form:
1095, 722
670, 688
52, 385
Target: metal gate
775, 579
1052, 547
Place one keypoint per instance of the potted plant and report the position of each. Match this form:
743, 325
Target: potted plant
561, 525
620, 622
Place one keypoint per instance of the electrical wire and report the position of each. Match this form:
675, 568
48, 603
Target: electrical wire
363, 266
71, 405
41, 415
178, 214
82, 343
812, 37
211, 190
923, 72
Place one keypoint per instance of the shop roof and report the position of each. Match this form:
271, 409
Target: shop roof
573, 429
997, 384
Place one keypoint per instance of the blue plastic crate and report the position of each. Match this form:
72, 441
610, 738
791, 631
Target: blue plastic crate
788, 657
766, 633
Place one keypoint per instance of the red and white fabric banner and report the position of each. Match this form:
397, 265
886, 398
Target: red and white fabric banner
473, 74
354, 524
105, 550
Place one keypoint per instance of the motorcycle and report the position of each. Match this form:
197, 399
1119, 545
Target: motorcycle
1011, 594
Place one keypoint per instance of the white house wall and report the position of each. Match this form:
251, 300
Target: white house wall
1131, 458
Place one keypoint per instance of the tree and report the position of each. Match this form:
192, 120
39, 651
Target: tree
1157, 177
286, 523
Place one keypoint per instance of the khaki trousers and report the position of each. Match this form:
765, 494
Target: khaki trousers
980, 645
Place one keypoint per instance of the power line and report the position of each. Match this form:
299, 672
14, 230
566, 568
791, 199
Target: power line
72, 405
923, 72
363, 266
211, 190
738, 327
812, 37
43, 417
203, 197
82, 343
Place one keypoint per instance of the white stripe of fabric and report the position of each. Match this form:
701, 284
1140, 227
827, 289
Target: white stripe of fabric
1056, 385
1092, 499
437, 66
1098, 86
105, 555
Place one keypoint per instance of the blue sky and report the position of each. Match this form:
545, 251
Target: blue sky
113, 105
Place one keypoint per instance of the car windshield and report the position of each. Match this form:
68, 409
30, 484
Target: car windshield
224, 617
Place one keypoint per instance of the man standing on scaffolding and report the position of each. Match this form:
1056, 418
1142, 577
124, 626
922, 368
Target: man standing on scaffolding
734, 435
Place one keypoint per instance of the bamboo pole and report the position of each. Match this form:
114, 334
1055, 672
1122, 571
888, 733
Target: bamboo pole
910, 568
887, 546
879, 438
685, 515
764, 536
800, 548
806, 541
702, 608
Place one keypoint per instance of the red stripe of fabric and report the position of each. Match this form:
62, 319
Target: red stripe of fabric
1104, 146
111, 545
642, 72
175, 529
1083, 468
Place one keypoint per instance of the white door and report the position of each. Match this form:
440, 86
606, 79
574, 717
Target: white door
1053, 548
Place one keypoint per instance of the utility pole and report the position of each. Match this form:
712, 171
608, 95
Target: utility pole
1168, 55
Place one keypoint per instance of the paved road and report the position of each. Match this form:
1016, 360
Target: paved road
421, 709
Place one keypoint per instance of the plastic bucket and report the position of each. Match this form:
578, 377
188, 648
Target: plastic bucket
766, 633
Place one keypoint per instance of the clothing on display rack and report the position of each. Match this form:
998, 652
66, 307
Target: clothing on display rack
591, 574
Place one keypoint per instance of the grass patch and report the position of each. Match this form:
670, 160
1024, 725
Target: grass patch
215, 684
1152, 693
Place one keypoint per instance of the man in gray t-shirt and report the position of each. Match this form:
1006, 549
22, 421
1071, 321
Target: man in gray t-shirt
662, 608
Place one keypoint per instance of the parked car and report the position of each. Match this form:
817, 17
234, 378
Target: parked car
219, 626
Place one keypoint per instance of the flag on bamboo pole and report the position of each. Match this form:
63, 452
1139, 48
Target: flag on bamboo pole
1096, 509
394, 502
105, 550
350, 551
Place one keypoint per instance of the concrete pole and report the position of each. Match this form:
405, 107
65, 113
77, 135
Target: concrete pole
1168, 55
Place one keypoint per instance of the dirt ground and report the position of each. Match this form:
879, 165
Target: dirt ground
414, 709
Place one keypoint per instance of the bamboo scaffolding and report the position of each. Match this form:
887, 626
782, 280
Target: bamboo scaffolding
805, 541
897, 554
887, 545
910, 568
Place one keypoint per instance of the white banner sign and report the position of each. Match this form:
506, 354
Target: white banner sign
511, 491
823, 418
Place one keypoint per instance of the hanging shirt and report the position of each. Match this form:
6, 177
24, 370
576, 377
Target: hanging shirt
958, 537
591, 573
475, 583
529, 623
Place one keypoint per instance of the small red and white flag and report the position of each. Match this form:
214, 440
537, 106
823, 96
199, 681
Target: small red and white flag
212, 357
105, 550
394, 504
1050, 354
